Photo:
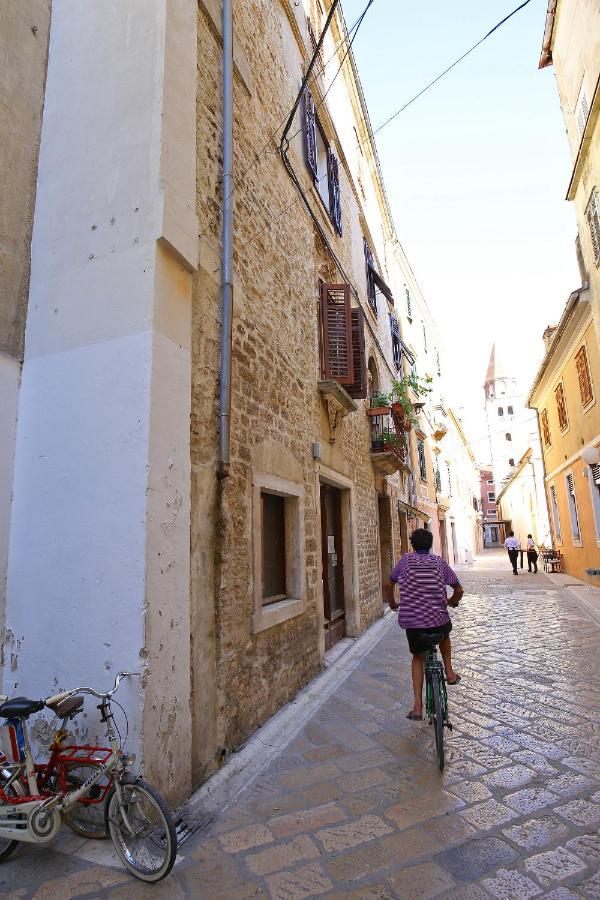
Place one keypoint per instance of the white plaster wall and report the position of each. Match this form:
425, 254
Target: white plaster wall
83, 531
9, 394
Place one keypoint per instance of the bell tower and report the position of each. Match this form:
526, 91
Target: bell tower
504, 410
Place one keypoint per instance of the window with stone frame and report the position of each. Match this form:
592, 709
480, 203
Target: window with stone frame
273, 547
561, 406
491, 496
510, 411
583, 376
592, 214
408, 304
573, 511
449, 474
508, 436
555, 514
369, 269
396, 343
422, 460
500, 411
582, 110
545, 428
438, 480
322, 163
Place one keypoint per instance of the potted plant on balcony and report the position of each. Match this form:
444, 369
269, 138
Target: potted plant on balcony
402, 404
379, 405
377, 443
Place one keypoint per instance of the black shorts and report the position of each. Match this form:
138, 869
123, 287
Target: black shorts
416, 644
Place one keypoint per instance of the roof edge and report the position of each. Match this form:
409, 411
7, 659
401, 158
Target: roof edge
546, 55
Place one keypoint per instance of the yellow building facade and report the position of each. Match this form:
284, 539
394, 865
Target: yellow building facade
565, 395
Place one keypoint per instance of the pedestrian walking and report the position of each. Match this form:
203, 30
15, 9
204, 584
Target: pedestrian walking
512, 545
422, 578
532, 555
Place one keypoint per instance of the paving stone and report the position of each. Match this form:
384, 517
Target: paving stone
554, 865
411, 844
357, 761
366, 892
245, 838
562, 893
511, 885
306, 820
422, 881
534, 761
470, 791
583, 765
500, 743
488, 815
324, 752
414, 810
465, 892
309, 881
473, 860
89, 880
570, 784
362, 830
591, 887
509, 777
358, 781
359, 863
280, 856
450, 830
580, 812
587, 846
530, 799
301, 778
536, 832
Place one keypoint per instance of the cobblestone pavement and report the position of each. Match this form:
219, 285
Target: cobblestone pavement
356, 807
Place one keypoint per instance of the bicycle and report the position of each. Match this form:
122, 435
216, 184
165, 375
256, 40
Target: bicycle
436, 698
33, 799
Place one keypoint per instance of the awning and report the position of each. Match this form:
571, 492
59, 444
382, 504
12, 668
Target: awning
414, 512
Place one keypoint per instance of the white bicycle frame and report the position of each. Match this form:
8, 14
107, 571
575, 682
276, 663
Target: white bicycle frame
16, 818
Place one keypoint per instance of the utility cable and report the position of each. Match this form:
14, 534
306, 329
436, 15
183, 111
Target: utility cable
445, 72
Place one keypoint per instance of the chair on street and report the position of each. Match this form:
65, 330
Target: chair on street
552, 560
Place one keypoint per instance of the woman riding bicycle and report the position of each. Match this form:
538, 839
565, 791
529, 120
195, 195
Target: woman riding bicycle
422, 578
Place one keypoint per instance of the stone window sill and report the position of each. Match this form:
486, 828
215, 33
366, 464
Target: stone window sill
277, 613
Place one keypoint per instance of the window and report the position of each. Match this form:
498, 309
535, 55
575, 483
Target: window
278, 535
491, 496
572, 499
592, 214
583, 376
438, 480
396, 345
449, 473
545, 427
422, 461
561, 406
490, 480
408, 304
322, 163
437, 362
555, 514
510, 411
424, 337
500, 411
370, 267
491, 511
582, 110
342, 340
273, 547
511, 461
508, 436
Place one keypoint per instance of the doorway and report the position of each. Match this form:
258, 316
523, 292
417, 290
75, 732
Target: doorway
333, 565
443, 539
454, 544
386, 552
403, 519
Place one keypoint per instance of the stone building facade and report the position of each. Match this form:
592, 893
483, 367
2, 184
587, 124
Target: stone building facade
225, 593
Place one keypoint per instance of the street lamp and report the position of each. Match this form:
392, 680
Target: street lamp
591, 456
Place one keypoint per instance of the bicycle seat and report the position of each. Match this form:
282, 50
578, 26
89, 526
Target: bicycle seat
69, 707
20, 707
430, 639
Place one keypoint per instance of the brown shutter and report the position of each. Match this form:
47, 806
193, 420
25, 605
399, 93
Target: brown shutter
583, 374
545, 427
337, 333
358, 389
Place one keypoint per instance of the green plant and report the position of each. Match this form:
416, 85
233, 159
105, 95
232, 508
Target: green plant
388, 437
400, 393
379, 399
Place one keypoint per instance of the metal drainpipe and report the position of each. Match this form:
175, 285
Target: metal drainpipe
227, 249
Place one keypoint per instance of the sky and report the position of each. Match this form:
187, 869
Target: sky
476, 172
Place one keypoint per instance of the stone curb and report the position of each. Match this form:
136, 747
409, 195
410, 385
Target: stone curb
585, 595
224, 787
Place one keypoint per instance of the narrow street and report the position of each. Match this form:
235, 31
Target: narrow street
356, 808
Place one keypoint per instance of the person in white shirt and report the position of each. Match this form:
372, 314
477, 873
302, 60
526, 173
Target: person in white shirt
532, 555
512, 545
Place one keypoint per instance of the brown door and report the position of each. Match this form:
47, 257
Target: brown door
385, 546
333, 565
404, 547
443, 539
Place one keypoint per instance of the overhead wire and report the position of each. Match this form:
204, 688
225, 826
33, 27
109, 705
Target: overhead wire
445, 72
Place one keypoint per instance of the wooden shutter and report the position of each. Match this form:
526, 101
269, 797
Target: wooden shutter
596, 474
592, 213
545, 427
310, 133
561, 406
583, 375
358, 389
336, 322
335, 202
370, 267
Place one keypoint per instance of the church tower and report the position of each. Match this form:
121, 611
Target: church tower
508, 420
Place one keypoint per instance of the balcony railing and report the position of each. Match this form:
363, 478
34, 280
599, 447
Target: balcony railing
389, 443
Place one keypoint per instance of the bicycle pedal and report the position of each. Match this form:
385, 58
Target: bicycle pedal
448, 725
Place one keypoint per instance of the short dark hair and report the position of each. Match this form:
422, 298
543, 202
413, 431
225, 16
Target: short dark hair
511, 534
531, 536
421, 539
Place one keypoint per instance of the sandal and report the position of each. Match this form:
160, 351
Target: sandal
415, 717
457, 680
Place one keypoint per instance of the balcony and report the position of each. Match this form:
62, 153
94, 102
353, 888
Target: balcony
389, 444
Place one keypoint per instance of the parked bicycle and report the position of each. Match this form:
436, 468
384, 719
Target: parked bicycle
89, 786
436, 698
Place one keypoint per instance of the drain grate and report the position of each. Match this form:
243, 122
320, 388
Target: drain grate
187, 825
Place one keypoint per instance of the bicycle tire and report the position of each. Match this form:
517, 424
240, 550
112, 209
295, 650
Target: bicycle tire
7, 846
161, 833
438, 722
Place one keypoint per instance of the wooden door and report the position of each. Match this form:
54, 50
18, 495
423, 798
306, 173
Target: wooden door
333, 565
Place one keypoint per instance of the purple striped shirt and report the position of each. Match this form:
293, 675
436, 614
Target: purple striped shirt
422, 579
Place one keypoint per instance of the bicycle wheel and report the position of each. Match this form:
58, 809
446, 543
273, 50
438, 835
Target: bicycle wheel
438, 722
142, 830
87, 817
15, 790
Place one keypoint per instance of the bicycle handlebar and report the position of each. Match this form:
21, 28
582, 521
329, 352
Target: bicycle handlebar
57, 698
